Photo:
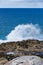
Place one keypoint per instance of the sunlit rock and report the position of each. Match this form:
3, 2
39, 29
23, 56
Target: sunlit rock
26, 60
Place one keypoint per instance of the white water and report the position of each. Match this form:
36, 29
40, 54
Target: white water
24, 32
26, 60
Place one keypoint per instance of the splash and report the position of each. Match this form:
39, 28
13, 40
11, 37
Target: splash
24, 32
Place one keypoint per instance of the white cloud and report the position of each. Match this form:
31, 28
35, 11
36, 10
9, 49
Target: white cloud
24, 32
21, 3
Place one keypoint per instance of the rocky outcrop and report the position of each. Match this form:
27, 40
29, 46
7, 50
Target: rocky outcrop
11, 50
3, 61
20, 48
26, 60
25, 45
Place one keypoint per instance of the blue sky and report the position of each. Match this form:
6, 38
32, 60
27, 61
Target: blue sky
10, 18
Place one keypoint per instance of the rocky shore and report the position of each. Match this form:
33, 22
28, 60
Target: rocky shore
11, 50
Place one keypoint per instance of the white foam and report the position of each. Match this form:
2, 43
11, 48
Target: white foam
24, 32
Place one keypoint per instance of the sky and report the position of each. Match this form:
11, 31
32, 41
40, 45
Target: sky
20, 24
21, 3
